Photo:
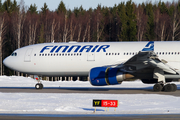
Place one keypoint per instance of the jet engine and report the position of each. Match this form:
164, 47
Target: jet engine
101, 76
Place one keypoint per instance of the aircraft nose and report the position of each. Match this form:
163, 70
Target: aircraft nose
7, 62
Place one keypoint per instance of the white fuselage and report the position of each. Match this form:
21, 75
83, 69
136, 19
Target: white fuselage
61, 59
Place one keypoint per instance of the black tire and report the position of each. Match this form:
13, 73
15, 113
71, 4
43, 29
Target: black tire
39, 86
168, 88
157, 87
174, 87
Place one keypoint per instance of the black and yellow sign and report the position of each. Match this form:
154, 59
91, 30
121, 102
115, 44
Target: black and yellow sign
96, 103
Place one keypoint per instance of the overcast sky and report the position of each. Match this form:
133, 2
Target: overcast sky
70, 4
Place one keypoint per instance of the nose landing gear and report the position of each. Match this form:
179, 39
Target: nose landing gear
167, 88
39, 85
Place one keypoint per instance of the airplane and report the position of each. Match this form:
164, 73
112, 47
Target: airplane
106, 63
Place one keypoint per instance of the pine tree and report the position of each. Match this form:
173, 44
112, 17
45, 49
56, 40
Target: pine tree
44, 8
33, 9
131, 21
123, 22
1, 6
41, 37
150, 25
61, 8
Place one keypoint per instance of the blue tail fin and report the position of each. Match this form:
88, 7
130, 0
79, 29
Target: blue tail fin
149, 46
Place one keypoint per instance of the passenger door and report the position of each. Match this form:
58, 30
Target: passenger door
27, 57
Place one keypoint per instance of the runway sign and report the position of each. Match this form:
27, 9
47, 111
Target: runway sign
105, 103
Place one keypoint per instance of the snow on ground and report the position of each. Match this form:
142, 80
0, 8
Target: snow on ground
78, 103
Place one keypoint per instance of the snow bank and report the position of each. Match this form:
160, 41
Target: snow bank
61, 103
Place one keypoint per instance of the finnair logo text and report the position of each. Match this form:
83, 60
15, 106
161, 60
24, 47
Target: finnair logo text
75, 48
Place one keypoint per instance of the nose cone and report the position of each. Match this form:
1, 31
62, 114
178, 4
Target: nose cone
8, 62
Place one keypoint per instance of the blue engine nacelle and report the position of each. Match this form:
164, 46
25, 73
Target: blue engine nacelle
101, 76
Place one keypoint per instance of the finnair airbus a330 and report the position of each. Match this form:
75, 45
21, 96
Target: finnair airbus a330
106, 63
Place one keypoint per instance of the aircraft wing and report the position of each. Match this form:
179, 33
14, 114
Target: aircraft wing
146, 59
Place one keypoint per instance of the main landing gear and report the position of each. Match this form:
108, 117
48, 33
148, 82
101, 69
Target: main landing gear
167, 88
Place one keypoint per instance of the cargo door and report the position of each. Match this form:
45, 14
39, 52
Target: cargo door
27, 57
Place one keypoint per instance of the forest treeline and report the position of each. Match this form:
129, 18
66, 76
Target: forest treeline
22, 25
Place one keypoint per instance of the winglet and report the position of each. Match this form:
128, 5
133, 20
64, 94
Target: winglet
149, 46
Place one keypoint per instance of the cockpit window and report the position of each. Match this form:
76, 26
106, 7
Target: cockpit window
14, 54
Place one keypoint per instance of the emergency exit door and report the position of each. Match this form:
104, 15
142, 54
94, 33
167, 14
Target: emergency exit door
27, 57
91, 57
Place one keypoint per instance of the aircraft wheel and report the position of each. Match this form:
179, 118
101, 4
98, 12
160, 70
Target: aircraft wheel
174, 87
39, 86
157, 87
168, 88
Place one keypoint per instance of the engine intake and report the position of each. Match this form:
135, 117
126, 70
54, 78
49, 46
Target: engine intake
101, 76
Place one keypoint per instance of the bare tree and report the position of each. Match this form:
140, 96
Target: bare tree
161, 22
18, 22
141, 22
66, 30
175, 24
73, 25
32, 22
3, 31
100, 23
